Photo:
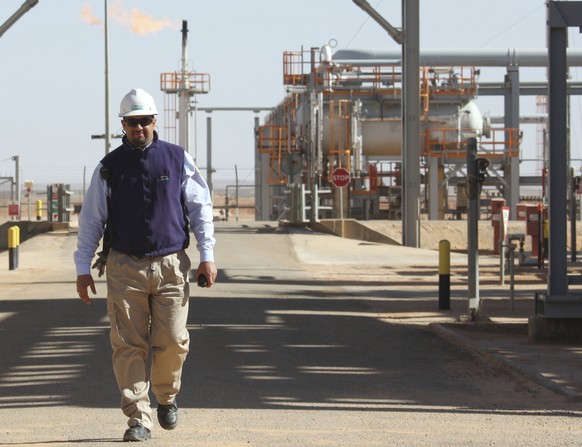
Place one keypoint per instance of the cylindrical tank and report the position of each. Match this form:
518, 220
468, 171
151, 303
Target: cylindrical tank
382, 127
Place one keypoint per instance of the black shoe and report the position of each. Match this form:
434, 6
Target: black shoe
137, 433
168, 416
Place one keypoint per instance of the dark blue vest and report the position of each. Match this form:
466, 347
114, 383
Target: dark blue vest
146, 207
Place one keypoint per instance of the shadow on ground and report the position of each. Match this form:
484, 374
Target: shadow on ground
270, 350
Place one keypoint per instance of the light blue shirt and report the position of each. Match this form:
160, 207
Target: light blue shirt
93, 215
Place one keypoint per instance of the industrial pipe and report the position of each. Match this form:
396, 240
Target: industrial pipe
26, 6
473, 191
458, 57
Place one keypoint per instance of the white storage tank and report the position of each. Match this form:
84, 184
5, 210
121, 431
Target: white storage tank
381, 127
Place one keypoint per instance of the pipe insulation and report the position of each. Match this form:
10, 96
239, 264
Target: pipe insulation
456, 57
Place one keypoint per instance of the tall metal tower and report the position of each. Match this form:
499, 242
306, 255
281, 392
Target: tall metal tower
179, 87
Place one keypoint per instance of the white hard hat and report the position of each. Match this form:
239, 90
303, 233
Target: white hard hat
137, 102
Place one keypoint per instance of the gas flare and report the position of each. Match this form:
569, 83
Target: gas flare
139, 22
136, 21
88, 16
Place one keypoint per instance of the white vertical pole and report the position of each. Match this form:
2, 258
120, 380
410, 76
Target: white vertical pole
16, 159
184, 93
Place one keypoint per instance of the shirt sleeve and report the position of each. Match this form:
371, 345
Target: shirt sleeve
92, 221
198, 204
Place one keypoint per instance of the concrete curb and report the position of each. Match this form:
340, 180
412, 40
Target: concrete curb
512, 367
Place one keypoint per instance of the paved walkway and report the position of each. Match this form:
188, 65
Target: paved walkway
500, 333
42, 293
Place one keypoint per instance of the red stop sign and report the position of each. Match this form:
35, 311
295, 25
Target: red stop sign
340, 177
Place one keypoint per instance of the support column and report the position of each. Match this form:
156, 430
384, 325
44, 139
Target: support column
411, 124
184, 95
436, 194
262, 190
558, 303
557, 278
511, 166
18, 193
473, 190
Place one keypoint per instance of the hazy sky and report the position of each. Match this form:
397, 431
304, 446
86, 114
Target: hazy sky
52, 59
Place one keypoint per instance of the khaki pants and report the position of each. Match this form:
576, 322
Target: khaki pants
147, 303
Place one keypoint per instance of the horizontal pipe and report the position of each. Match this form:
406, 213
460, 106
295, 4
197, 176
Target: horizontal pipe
231, 109
460, 57
531, 119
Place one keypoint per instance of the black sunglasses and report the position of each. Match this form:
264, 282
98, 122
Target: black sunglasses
143, 122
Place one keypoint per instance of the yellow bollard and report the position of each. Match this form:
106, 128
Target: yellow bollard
13, 244
444, 275
39, 209
12, 237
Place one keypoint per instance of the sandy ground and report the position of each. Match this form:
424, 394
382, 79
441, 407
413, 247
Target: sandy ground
431, 232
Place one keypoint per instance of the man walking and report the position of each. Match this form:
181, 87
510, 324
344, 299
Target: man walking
145, 196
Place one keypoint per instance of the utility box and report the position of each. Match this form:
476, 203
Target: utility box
59, 207
496, 210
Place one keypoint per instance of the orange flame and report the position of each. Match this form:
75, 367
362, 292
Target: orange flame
139, 22
88, 16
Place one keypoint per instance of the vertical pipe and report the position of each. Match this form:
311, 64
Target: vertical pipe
511, 121
573, 204
16, 159
473, 227
184, 45
341, 200
540, 242
444, 275
226, 204
502, 247
512, 276
17, 230
434, 196
411, 125
184, 93
311, 154
209, 154
301, 207
315, 203
266, 197
236, 191
258, 185
12, 191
